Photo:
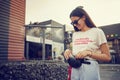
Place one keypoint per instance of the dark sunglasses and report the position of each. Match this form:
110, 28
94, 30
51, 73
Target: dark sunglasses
75, 22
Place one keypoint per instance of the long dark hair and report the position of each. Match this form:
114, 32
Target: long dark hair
80, 12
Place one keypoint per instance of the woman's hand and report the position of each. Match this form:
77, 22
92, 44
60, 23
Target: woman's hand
83, 54
67, 53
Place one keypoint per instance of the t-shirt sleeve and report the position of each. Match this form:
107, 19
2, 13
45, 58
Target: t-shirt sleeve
101, 37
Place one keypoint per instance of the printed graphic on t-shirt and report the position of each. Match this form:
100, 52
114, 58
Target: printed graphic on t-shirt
79, 41
90, 40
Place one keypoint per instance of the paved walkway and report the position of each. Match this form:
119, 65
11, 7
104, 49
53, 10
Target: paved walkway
110, 71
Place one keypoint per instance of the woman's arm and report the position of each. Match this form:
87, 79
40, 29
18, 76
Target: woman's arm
104, 55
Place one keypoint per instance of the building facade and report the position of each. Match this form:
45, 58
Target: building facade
12, 21
44, 40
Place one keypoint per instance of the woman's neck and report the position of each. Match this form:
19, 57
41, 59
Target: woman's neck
85, 28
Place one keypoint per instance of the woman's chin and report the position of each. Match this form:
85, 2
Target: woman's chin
79, 28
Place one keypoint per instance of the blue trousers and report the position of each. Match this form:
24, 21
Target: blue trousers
86, 71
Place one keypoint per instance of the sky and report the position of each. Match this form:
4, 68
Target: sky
102, 12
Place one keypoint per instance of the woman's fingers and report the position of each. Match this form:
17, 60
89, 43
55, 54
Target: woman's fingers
66, 56
80, 55
67, 53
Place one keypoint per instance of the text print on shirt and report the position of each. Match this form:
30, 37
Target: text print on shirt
79, 41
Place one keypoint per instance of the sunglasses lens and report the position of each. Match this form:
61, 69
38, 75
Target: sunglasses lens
75, 22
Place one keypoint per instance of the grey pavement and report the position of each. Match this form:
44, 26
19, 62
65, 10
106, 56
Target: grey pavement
110, 71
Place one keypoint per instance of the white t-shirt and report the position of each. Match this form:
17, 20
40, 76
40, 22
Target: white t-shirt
88, 40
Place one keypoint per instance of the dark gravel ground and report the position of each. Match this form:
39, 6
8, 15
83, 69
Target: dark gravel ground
33, 70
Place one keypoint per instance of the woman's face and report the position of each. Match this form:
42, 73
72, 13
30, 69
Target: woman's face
78, 22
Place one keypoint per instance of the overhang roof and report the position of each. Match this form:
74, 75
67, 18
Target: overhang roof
111, 29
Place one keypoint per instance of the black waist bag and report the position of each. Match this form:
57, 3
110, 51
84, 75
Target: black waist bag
76, 63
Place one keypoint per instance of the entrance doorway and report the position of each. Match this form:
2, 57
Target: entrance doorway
35, 51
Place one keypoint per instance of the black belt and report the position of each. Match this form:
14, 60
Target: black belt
85, 61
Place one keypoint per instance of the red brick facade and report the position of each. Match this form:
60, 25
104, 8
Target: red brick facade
16, 31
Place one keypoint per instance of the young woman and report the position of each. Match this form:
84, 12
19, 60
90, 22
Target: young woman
88, 42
